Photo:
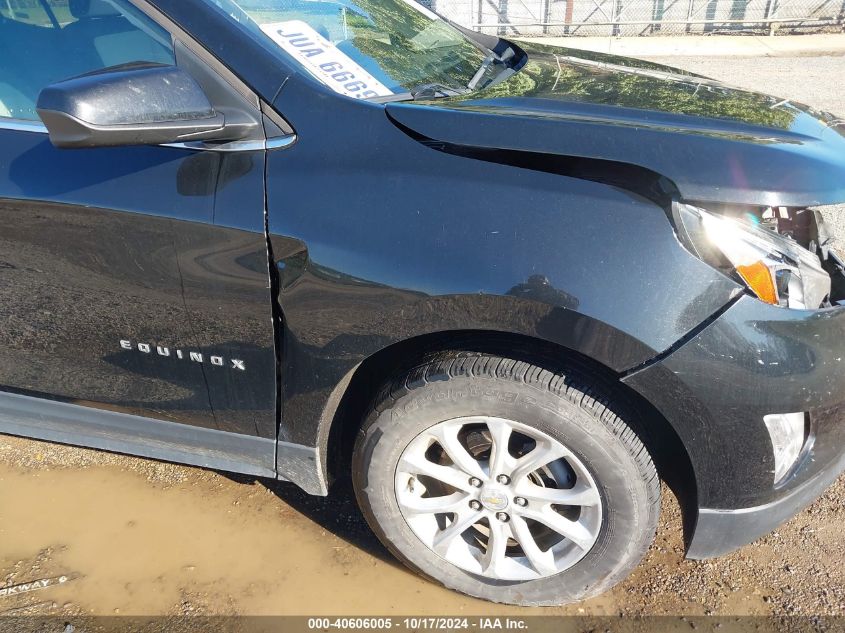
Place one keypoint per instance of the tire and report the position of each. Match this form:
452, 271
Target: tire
473, 397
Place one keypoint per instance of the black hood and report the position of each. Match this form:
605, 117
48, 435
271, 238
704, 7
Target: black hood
713, 142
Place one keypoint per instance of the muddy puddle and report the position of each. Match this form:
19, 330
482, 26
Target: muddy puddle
85, 532
207, 544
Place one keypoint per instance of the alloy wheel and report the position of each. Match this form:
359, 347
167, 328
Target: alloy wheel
498, 498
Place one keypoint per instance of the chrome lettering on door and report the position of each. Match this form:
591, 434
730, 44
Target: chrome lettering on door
178, 354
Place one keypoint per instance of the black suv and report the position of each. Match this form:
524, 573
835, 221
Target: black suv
506, 288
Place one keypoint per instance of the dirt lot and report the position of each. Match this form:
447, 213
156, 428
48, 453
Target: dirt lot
130, 536
141, 537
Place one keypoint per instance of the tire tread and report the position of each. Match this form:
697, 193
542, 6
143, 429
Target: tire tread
569, 382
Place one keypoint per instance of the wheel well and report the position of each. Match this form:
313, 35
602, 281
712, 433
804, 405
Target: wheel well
663, 443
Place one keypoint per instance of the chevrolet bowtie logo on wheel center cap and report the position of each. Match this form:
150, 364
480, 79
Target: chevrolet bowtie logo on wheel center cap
494, 499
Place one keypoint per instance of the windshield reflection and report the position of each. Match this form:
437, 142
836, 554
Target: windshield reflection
368, 48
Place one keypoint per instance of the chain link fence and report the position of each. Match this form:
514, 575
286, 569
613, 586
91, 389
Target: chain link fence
642, 17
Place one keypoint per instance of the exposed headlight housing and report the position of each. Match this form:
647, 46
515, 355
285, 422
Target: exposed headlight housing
776, 268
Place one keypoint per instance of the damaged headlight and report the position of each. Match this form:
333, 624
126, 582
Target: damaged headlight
775, 267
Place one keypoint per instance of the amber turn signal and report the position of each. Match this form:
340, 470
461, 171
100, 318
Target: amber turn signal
759, 278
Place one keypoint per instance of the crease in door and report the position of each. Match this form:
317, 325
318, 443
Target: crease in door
194, 336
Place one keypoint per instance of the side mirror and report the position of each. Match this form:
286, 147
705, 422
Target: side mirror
135, 104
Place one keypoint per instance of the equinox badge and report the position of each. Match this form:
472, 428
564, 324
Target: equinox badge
178, 354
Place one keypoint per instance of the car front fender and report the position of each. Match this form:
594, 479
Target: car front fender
378, 238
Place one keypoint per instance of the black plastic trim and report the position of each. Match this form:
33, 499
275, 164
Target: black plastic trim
135, 435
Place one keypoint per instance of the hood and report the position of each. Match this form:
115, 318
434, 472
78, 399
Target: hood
713, 142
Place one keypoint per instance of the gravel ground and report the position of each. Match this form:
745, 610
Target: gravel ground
322, 543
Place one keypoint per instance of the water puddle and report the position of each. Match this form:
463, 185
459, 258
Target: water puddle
207, 544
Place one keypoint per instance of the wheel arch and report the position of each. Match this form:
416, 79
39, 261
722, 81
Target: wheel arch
348, 403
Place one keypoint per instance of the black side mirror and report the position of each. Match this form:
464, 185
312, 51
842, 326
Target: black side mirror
136, 104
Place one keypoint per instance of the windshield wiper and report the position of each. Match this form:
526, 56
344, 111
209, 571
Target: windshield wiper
432, 90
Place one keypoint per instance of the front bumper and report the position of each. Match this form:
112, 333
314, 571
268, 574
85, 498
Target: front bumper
715, 390
718, 532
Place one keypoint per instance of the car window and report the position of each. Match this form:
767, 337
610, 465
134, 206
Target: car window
45, 41
26, 11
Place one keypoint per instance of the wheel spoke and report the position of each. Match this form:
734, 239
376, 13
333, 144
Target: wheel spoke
418, 465
542, 454
497, 543
463, 521
447, 436
413, 505
542, 562
579, 495
574, 531
467, 509
500, 433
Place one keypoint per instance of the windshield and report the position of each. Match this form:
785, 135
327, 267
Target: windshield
367, 48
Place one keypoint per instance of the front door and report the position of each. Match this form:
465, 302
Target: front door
132, 279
